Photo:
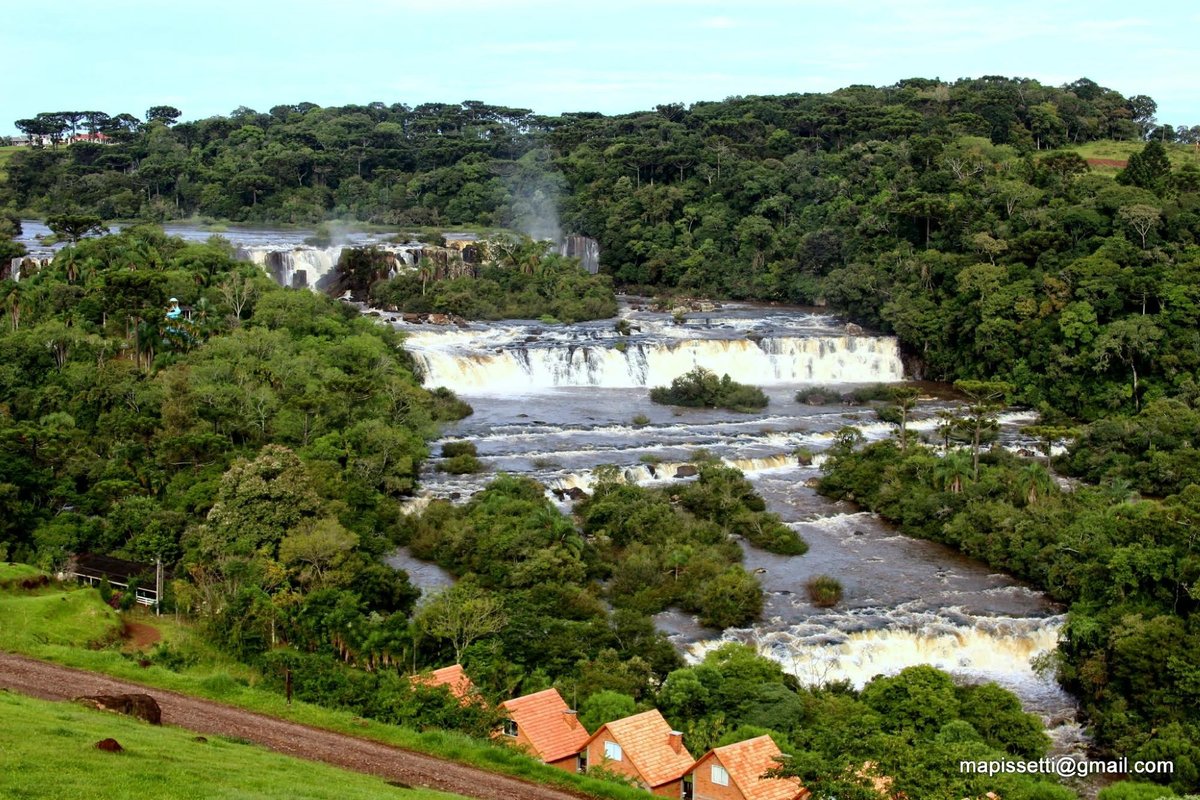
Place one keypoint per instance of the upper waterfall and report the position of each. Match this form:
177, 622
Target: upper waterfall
781, 347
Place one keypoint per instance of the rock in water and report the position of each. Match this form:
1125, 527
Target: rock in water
142, 706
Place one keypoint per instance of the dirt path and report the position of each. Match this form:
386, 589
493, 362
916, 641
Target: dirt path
52, 682
139, 635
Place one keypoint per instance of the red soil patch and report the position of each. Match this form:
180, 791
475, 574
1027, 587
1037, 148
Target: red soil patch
138, 635
1108, 162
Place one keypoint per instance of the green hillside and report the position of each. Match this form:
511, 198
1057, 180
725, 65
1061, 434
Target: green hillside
1107, 149
49, 752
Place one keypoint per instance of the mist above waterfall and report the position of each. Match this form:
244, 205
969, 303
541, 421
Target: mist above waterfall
536, 189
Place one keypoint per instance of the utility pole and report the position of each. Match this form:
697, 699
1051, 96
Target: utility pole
158, 586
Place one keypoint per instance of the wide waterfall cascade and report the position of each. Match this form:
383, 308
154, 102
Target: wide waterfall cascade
859, 644
514, 357
302, 266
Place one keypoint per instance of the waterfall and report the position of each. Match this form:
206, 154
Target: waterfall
295, 267
585, 249
768, 361
298, 267
859, 644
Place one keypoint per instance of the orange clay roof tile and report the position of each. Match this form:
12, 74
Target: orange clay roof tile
542, 718
454, 677
746, 762
646, 740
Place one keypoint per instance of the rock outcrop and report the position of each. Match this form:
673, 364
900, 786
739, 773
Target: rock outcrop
142, 706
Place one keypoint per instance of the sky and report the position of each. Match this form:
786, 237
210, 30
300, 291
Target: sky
551, 56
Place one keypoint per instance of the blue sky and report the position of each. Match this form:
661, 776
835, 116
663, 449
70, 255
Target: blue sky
212, 56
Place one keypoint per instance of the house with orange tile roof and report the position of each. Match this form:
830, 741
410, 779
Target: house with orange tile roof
735, 772
453, 678
544, 726
642, 747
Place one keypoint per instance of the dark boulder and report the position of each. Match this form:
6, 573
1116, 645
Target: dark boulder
686, 471
109, 746
142, 706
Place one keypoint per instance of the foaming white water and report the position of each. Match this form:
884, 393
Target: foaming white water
766, 361
837, 647
666, 470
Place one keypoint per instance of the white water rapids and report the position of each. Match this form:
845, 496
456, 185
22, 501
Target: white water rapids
771, 350
554, 402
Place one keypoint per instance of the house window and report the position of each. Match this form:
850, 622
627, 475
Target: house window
510, 727
719, 776
612, 751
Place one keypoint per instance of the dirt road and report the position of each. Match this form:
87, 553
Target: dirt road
52, 682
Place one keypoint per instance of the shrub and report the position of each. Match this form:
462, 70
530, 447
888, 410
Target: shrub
768, 532
464, 464
818, 396
876, 391
824, 591
447, 407
701, 388
453, 449
640, 419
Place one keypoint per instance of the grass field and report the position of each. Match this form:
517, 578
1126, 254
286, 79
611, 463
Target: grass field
49, 752
1179, 154
67, 633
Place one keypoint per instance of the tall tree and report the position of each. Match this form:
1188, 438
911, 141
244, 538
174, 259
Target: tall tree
167, 115
987, 398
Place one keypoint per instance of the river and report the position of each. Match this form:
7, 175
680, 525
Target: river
553, 402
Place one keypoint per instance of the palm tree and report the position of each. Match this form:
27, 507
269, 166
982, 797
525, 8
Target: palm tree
1034, 482
425, 273
12, 302
70, 265
201, 311
147, 337
1120, 490
952, 471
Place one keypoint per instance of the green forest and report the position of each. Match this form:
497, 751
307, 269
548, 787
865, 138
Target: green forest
263, 448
